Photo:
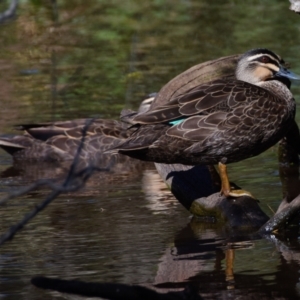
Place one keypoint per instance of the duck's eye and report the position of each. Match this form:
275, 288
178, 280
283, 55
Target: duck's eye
264, 59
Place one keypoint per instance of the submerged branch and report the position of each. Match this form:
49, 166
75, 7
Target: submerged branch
283, 218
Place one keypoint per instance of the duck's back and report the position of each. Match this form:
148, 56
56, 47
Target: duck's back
224, 120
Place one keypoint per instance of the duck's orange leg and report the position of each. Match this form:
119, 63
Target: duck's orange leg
226, 189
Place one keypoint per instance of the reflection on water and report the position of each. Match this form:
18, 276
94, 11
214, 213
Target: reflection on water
224, 268
107, 231
130, 230
157, 195
80, 59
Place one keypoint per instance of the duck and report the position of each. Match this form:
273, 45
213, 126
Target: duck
59, 141
222, 121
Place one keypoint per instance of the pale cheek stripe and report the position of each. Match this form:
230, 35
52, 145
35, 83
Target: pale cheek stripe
253, 57
272, 67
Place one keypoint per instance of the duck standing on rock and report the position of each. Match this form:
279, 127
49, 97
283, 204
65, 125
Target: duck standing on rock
221, 121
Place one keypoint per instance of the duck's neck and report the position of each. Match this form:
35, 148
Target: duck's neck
277, 88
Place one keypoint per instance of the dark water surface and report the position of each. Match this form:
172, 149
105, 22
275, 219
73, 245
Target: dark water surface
92, 58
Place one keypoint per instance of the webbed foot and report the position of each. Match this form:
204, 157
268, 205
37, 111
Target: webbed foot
237, 193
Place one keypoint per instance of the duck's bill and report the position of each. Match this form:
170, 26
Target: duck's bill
287, 74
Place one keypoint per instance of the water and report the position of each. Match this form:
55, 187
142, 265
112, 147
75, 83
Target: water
92, 58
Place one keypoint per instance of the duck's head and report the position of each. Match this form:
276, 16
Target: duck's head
259, 65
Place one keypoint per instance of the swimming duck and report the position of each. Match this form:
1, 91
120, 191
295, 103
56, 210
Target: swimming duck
59, 141
219, 122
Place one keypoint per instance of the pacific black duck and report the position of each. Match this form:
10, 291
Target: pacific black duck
59, 141
222, 121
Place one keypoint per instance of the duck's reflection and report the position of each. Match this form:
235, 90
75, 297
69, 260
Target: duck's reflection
213, 266
205, 257
158, 196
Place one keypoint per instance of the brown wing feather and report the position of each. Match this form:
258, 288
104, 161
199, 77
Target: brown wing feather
219, 95
245, 119
220, 119
73, 129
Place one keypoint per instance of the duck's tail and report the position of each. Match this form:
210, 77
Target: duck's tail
127, 114
13, 144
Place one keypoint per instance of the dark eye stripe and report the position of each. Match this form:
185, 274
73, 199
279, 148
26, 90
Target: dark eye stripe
271, 61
